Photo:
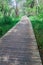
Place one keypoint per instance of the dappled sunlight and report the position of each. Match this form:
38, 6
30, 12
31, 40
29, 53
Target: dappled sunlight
4, 58
16, 62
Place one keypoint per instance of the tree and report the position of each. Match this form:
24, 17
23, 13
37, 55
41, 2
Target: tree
37, 6
17, 7
32, 4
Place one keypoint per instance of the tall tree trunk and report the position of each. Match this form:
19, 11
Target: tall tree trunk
37, 7
16, 10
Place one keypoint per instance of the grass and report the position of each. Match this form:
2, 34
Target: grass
4, 27
37, 24
38, 30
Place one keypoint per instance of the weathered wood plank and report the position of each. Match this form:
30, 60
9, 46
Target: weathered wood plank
18, 46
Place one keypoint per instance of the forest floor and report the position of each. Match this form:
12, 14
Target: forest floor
18, 46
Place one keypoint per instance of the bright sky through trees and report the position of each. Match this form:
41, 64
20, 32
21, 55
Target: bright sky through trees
13, 3
20, 2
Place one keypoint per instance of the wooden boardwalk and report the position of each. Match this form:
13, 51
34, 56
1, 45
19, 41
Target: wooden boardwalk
18, 46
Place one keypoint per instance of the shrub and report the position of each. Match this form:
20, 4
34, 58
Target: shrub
7, 20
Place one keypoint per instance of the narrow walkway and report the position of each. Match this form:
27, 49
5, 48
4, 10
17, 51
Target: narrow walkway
18, 46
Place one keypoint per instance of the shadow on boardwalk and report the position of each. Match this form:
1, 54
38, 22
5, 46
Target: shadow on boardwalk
18, 46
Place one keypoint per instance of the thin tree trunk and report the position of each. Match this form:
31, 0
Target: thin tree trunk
16, 10
37, 7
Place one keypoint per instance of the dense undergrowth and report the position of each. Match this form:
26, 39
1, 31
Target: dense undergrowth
37, 23
7, 23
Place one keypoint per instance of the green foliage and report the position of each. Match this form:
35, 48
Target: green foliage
10, 22
7, 16
29, 2
29, 7
38, 29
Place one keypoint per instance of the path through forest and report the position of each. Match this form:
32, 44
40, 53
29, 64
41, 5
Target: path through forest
18, 46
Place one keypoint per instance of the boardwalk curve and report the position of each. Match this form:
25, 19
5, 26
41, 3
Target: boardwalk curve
18, 46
